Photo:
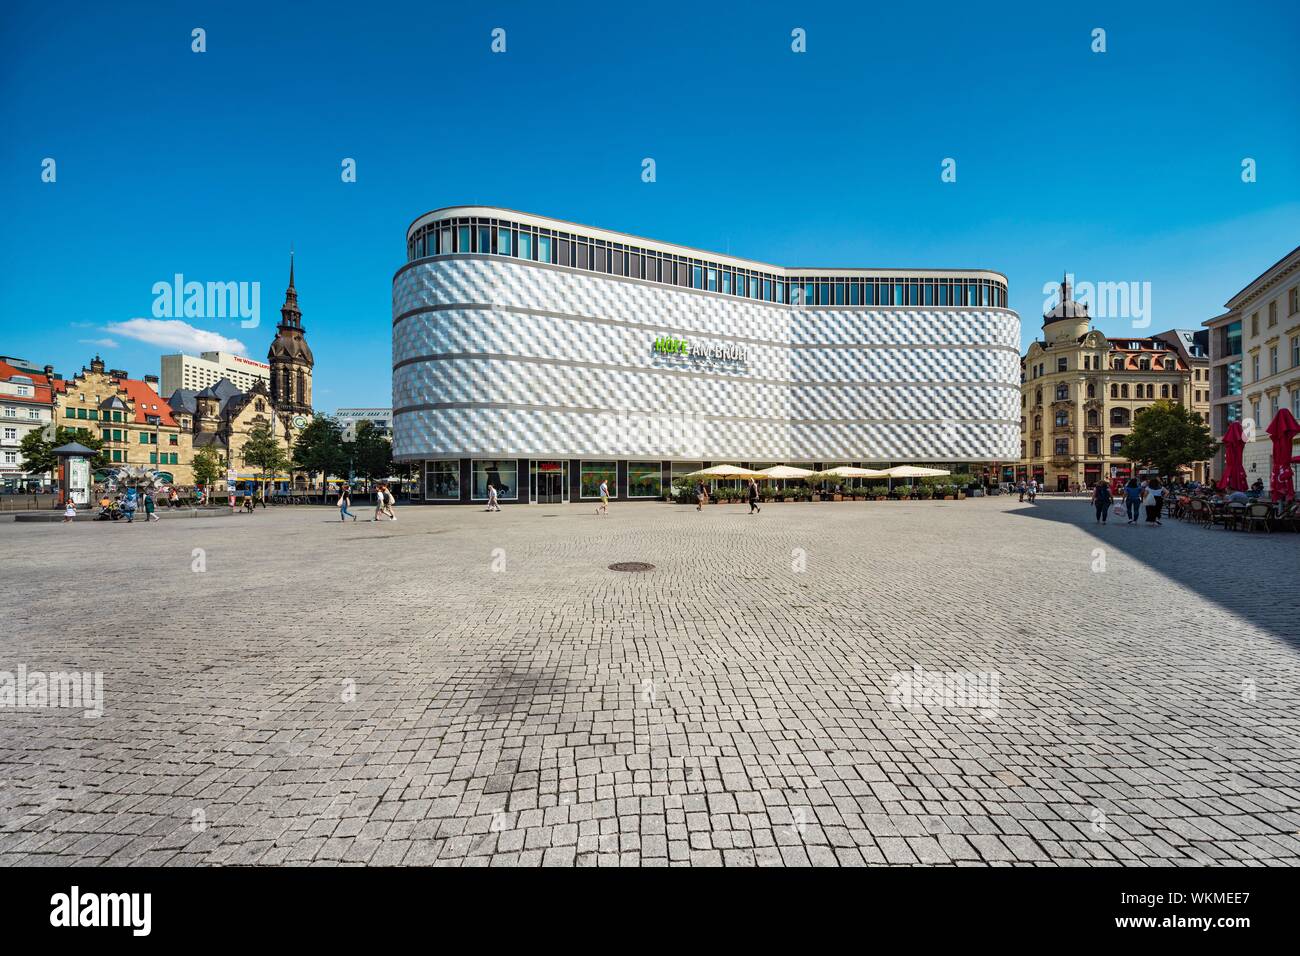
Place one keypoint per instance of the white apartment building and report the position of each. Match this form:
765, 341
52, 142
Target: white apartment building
24, 407
208, 368
350, 418
1255, 361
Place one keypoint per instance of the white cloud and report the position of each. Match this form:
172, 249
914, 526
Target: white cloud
102, 343
175, 334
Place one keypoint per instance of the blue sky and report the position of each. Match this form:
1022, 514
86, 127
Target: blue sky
1123, 166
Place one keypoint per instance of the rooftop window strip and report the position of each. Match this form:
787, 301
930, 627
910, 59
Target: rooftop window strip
484, 236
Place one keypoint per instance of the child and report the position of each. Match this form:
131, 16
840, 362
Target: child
70, 512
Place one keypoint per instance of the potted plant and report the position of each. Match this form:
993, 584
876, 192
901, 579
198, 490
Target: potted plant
925, 492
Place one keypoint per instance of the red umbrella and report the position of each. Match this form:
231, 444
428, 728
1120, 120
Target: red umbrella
1234, 473
1283, 430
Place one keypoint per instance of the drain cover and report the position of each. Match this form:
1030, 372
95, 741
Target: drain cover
631, 566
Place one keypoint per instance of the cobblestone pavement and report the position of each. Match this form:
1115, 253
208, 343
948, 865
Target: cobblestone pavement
466, 688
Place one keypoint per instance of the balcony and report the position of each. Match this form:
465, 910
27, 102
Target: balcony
1062, 461
1063, 429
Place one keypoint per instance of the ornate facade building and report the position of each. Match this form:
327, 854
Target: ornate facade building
1080, 391
221, 416
137, 426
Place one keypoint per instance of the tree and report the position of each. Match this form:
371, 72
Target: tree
208, 467
319, 449
372, 453
263, 452
38, 451
1168, 437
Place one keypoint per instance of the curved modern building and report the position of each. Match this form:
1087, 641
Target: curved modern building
542, 356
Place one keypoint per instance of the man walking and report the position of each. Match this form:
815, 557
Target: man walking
149, 506
493, 504
604, 497
345, 501
753, 497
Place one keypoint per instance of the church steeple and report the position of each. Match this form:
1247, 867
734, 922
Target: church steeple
290, 357
289, 312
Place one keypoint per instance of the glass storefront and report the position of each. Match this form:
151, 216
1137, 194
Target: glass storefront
644, 479
502, 474
594, 472
442, 480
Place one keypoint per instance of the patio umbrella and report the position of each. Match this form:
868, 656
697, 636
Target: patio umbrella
1234, 474
913, 471
849, 471
777, 472
723, 471
1282, 429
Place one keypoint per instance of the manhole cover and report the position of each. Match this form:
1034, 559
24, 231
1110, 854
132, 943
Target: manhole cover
631, 566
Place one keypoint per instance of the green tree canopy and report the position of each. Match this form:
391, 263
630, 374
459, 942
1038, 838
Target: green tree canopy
1168, 437
263, 452
319, 448
38, 451
371, 455
209, 467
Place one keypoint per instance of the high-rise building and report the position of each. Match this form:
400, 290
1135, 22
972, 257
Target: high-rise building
198, 372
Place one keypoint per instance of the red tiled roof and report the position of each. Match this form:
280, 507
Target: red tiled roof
147, 401
40, 386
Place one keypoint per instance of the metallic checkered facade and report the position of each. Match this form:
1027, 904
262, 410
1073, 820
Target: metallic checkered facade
494, 356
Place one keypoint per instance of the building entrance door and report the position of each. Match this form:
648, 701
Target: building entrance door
550, 483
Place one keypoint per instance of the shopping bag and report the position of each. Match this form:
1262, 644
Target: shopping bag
1118, 511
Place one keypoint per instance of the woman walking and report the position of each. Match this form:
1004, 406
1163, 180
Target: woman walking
753, 497
1151, 501
345, 502
1101, 501
701, 496
1132, 499
149, 506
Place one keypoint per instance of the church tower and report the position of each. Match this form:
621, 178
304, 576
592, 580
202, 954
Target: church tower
290, 358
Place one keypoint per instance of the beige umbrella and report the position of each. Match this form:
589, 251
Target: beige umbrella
914, 471
777, 472
849, 471
723, 471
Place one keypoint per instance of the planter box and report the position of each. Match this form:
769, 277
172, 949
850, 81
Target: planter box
837, 497
948, 498
882, 497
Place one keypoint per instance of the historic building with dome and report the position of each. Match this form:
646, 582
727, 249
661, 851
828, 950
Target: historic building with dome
1081, 390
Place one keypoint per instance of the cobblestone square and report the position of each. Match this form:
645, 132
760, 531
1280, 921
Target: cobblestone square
981, 682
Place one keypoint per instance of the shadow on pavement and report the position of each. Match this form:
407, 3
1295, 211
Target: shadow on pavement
1253, 575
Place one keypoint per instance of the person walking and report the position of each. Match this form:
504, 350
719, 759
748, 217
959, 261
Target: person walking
386, 496
1033, 489
1159, 489
1132, 500
604, 497
753, 497
128, 506
345, 502
1151, 501
1020, 487
1101, 501
150, 506
70, 511
493, 504
701, 496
